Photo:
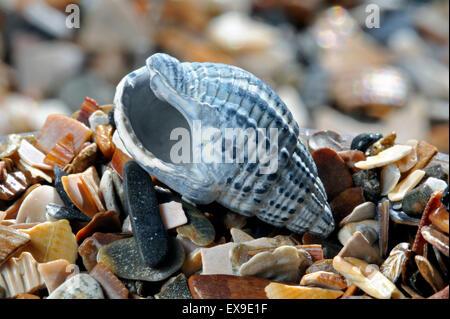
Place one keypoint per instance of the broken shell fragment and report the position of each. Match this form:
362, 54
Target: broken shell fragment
367, 277
80, 286
436, 238
282, 291
112, 286
408, 162
51, 241
283, 264
323, 279
392, 266
32, 156
389, 177
57, 126
406, 185
34, 207
369, 228
386, 157
85, 158
55, 272
20, 275
62, 153
10, 242
361, 212
429, 273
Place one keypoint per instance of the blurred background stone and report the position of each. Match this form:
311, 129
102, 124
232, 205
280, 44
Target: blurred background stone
333, 70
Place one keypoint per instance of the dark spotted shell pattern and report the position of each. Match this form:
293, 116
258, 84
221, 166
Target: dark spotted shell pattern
224, 96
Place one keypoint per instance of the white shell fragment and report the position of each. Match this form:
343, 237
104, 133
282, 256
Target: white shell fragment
33, 208
408, 162
386, 157
366, 277
361, 212
32, 156
368, 228
406, 185
282, 264
389, 177
172, 214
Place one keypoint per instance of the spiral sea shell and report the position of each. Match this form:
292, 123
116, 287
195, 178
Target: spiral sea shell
165, 94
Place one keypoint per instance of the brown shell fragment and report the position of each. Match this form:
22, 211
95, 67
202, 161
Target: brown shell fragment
323, 279
112, 286
436, 238
322, 265
344, 203
440, 219
331, 168
26, 296
429, 273
425, 151
88, 107
11, 241
432, 205
55, 273
227, 287
103, 138
351, 157
85, 158
14, 185
89, 248
106, 222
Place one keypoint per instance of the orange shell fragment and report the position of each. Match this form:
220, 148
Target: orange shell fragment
103, 138
281, 291
51, 241
62, 154
118, 161
440, 218
83, 190
57, 126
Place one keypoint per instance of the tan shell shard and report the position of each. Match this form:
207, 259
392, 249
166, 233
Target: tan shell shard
20, 275
35, 173
408, 162
324, 279
32, 156
392, 266
215, 260
14, 184
283, 264
51, 241
389, 177
240, 236
85, 158
280, 291
368, 228
55, 273
366, 277
11, 241
406, 185
429, 273
33, 208
386, 157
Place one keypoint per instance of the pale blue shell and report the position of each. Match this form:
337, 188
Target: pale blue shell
224, 96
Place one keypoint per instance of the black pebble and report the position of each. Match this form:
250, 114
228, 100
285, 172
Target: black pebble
140, 198
362, 141
61, 212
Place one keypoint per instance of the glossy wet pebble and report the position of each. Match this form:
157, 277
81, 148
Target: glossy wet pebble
123, 258
415, 200
368, 180
198, 229
142, 206
175, 288
81, 286
363, 141
57, 211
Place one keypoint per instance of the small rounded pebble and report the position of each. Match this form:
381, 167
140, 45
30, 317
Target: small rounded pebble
363, 141
81, 286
